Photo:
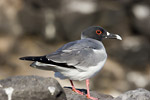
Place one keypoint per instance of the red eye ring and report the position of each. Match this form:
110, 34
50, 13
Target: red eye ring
99, 32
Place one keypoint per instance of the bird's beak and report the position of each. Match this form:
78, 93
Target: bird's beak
113, 36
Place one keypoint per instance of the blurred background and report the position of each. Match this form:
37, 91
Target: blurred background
39, 27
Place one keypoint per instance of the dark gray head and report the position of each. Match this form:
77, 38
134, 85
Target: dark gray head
98, 33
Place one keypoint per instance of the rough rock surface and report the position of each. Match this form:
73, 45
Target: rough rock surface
138, 94
74, 96
39, 88
31, 88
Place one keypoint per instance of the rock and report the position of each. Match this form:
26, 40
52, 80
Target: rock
39, 88
141, 18
138, 94
31, 88
27, 16
74, 96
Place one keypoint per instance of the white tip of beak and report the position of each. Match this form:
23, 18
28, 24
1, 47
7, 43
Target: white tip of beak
108, 33
118, 37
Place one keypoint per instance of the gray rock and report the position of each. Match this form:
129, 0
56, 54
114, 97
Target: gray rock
141, 23
74, 96
31, 88
138, 94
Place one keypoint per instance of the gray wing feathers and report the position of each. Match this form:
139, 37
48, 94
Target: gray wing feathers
79, 54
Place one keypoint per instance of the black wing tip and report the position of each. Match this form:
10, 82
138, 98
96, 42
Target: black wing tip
32, 58
27, 58
22, 58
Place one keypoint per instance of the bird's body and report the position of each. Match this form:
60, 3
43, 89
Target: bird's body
85, 58
77, 60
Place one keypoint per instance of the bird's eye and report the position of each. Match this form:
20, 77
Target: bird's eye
98, 32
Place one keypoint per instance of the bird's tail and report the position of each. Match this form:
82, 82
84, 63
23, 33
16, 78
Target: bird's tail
39, 62
32, 58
